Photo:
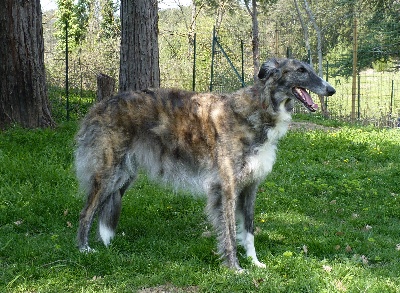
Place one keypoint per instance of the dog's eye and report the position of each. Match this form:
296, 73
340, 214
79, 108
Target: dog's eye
301, 70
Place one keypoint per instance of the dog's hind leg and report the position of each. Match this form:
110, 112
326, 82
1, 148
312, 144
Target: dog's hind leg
87, 214
245, 216
221, 211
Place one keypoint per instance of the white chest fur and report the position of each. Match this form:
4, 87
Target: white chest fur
261, 162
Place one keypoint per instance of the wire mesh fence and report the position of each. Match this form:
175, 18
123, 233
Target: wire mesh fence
188, 63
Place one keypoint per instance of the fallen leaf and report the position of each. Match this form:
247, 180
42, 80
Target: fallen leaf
367, 227
19, 222
348, 248
327, 268
257, 282
339, 286
69, 224
206, 234
364, 260
96, 278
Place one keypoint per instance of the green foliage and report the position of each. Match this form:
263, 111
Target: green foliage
95, 27
378, 27
382, 65
109, 24
93, 43
79, 103
326, 221
75, 18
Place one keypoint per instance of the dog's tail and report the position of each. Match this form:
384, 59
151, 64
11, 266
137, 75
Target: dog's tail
87, 160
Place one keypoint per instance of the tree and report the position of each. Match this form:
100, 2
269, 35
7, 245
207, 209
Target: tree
139, 60
253, 11
76, 16
255, 38
304, 28
23, 92
109, 25
317, 29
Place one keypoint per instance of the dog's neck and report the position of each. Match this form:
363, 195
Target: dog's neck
256, 107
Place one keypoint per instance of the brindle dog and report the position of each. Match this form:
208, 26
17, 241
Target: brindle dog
221, 145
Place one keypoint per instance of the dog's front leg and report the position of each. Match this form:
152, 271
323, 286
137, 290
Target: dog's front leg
245, 217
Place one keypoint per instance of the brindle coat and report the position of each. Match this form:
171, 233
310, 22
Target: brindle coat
220, 145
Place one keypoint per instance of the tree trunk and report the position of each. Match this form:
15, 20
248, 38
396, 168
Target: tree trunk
220, 15
23, 92
305, 32
324, 110
139, 60
105, 86
255, 38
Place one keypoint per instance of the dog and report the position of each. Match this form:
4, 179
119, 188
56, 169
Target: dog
221, 145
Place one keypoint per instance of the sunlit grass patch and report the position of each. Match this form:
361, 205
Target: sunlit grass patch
327, 220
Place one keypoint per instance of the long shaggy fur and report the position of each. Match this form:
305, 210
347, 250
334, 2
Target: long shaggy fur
219, 145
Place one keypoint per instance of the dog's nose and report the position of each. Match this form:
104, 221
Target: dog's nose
330, 90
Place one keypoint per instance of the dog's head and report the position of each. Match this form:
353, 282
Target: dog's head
289, 79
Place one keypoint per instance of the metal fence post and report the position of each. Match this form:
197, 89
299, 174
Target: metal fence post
66, 69
354, 78
327, 77
358, 95
194, 63
391, 99
212, 60
242, 49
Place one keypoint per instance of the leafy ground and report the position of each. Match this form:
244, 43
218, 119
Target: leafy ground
327, 218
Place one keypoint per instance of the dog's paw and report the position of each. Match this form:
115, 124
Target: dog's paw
241, 271
259, 264
87, 249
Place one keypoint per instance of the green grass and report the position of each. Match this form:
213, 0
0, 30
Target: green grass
327, 218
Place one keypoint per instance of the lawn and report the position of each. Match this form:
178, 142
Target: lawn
327, 220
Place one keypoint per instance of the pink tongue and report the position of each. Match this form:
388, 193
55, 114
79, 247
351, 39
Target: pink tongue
307, 98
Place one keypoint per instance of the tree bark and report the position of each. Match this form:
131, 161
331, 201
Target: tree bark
105, 86
255, 37
139, 60
305, 32
23, 92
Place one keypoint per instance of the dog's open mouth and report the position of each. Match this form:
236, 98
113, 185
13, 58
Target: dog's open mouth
302, 95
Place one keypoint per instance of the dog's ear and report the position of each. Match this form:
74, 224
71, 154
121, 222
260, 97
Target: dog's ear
268, 69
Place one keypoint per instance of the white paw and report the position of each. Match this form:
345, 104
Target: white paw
87, 249
259, 264
241, 271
